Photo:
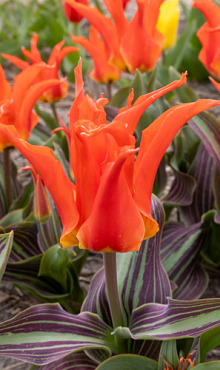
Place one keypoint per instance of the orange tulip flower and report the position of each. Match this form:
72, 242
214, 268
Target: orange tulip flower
103, 71
16, 103
133, 45
209, 36
109, 206
57, 92
71, 13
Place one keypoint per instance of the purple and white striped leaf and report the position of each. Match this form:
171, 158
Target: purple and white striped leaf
129, 361
76, 360
49, 232
202, 170
6, 241
176, 319
181, 191
46, 333
208, 129
25, 241
180, 249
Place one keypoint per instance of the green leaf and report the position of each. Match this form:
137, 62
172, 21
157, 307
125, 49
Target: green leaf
168, 351
184, 93
209, 341
131, 362
175, 55
12, 218
120, 97
213, 365
6, 242
54, 264
50, 122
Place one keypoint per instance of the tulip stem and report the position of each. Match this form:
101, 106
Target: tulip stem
7, 167
109, 86
109, 260
53, 107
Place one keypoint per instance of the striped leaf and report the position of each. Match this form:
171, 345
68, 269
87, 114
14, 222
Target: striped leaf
25, 241
6, 241
202, 170
181, 191
168, 352
76, 360
176, 319
46, 333
208, 129
131, 362
49, 232
180, 249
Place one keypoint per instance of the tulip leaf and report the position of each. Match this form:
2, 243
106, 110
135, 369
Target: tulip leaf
76, 360
160, 178
213, 365
50, 122
176, 319
25, 241
180, 249
208, 341
12, 217
212, 243
6, 241
49, 232
129, 361
46, 333
181, 191
168, 352
202, 170
120, 97
208, 129
176, 54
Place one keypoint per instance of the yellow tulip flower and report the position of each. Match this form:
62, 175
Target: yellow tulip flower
168, 21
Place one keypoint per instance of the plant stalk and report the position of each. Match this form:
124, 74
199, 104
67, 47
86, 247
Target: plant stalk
109, 260
7, 167
53, 107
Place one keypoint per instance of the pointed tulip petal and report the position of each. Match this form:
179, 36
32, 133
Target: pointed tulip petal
131, 116
115, 223
79, 94
16, 61
55, 52
65, 51
30, 99
6, 88
155, 140
55, 179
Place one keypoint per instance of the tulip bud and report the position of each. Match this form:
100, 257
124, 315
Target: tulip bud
42, 206
71, 13
168, 22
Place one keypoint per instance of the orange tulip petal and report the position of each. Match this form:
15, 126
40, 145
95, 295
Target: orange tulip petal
54, 177
115, 223
6, 88
55, 52
155, 140
16, 61
79, 95
30, 99
116, 10
34, 50
24, 80
210, 11
215, 83
65, 51
131, 116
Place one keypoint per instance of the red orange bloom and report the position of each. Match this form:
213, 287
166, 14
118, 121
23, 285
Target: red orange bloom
209, 36
133, 45
54, 61
71, 13
16, 103
103, 71
109, 206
